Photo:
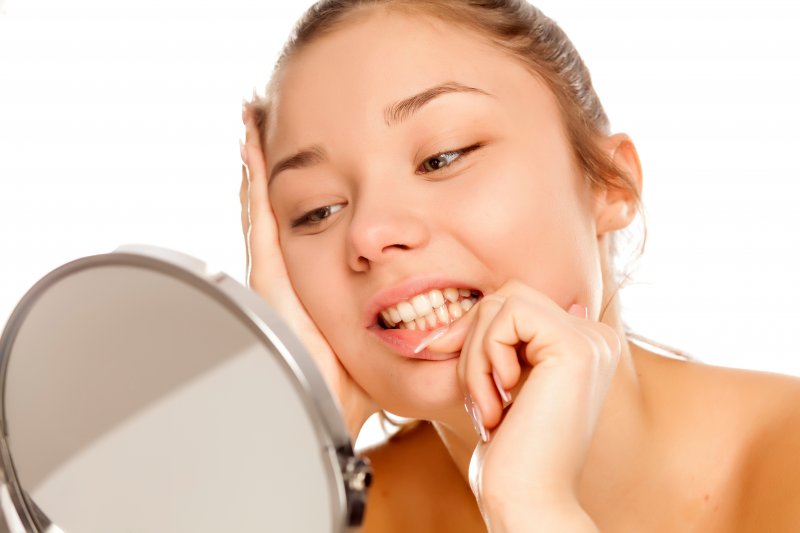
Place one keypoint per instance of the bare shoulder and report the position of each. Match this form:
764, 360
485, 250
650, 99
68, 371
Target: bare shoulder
416, 487
757, 415
770, 494
739, 432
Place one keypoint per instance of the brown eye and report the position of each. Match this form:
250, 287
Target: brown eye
444, 159
440, 161
315, 216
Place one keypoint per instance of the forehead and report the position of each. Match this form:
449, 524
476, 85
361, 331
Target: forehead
351, 74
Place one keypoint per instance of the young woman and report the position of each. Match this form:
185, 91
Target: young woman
431, 201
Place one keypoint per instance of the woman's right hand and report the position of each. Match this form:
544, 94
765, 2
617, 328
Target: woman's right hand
267, 276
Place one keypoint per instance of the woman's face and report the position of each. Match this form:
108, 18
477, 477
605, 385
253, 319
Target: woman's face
466, 186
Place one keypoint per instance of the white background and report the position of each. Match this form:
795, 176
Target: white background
119, 123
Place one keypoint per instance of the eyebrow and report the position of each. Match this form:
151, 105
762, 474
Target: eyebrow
392, 114
400, 111
306, 157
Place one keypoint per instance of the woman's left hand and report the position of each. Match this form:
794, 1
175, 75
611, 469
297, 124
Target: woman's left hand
532, 463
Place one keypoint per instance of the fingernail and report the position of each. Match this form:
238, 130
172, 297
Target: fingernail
579, 310
505, 395
244, 111
243, 152
474, 413
437, 333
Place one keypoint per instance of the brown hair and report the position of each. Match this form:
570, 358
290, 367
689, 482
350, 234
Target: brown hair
520, 29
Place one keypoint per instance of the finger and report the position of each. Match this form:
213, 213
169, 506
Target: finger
504, 359
262, 235
243, 200
611, 337
476, 367
245, 214
503, 352
604, 335
461, 367
256, 172
452, 338
608, 347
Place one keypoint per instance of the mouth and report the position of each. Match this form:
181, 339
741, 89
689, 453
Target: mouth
429, 310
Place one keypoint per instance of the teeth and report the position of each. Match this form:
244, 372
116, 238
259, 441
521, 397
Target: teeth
451, 294
436, 297
430, 319
429, 310
421, 304
387, 318
406, 311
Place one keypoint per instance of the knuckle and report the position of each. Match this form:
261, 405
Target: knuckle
490, 346
517, 303
514, 287
584, 352
512, 300
606, 343
489, 304
610, 337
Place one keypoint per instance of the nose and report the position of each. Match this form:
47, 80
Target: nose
381, 229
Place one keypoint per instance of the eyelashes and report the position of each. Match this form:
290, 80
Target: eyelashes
316, 216
432, 164
444, 159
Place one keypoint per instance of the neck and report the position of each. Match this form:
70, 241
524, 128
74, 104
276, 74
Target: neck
621, 427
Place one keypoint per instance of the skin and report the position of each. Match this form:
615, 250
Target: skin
619, 409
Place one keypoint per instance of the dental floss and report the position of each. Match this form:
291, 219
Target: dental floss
436, 334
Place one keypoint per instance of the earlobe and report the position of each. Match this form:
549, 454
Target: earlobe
615, 206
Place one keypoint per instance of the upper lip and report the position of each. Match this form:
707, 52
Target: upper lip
406, 289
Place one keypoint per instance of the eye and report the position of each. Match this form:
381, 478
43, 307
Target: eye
316, 216
444, 159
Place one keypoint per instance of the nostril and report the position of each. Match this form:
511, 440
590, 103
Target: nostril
399, 246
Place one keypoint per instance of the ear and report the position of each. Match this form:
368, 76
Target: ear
615, 207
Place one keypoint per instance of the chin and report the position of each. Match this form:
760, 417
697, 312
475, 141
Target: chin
426, 390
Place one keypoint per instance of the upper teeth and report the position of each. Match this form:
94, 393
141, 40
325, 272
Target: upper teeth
426, 310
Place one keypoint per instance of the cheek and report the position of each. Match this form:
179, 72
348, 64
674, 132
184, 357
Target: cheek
311, 264
530, 225
316, 271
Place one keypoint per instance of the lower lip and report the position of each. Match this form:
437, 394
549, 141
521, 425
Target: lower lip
403, 342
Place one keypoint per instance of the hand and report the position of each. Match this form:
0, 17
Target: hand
267, 276
560, 366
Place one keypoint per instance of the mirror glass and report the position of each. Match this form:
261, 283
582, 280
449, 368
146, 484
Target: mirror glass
135, 401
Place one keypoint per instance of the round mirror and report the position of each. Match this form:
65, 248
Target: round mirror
142, 393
